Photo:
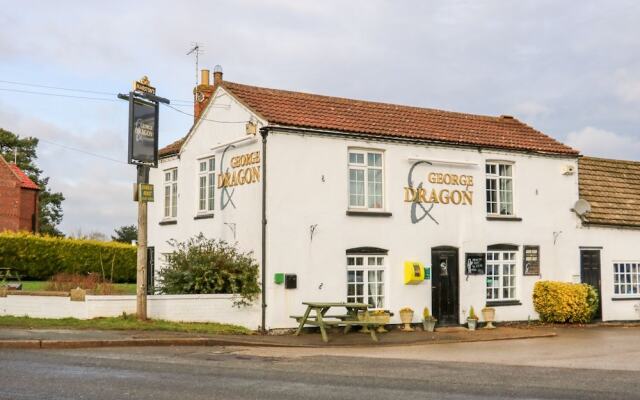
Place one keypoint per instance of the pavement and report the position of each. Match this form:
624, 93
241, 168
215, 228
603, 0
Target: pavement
579, 363
65, 338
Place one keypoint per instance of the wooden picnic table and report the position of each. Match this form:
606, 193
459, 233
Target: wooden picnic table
322, 320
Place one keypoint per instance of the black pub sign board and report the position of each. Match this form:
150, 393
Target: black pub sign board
475, 263
143, 132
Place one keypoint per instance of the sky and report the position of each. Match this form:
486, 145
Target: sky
570, 69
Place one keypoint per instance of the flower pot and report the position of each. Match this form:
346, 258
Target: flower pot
378, 317
406, 317
489, 315
429, 325
471, 323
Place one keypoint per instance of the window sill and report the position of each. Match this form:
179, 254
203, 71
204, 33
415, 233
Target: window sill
367, 213
168, 222
503, 303
203, 216
625, 298
503, 218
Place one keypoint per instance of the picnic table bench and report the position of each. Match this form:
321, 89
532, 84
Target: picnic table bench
322, 320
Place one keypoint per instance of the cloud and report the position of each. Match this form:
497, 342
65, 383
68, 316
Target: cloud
530, 109
627, 85
97, 191
598, 142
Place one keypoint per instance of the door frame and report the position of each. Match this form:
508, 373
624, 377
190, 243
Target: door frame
456, 298
599, 288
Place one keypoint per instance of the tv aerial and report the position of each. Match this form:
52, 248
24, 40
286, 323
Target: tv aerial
196, 50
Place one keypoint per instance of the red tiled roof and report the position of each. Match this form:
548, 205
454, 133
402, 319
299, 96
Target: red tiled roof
611, 188
281, 107
25, 181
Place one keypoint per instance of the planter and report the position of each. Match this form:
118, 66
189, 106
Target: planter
489, 315
378, 317
472, 322
406, 316
429, 325
3, 291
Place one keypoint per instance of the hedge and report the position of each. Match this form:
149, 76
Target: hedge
41, 257
565, 302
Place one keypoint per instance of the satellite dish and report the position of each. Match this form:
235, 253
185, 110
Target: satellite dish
581, 207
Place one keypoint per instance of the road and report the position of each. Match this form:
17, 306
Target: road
423, 372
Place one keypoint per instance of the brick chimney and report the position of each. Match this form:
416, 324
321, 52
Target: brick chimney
203, 92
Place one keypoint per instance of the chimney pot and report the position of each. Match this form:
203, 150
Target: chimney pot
204, 77
217, 75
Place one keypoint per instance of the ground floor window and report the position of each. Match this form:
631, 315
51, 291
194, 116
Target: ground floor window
626, 278
365, 279
501, 275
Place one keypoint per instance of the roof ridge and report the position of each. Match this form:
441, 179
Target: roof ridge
380, 103
635, 162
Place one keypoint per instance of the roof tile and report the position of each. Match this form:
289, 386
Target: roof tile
296, 109
611, 187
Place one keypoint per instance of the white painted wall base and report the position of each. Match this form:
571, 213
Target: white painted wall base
186, 308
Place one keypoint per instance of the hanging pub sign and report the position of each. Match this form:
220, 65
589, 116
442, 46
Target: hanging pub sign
475, 264
143, 125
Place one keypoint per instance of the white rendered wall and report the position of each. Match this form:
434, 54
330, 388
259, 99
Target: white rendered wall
239, 222
307, 185
187, 308
616, 245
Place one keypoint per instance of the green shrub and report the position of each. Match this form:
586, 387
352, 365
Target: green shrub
40, 257
565, 302
202, 266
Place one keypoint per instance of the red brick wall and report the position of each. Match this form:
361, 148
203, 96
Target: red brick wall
28, 210
9, 199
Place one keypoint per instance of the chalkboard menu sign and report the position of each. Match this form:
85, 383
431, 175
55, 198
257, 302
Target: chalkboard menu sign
531, 260
474, 264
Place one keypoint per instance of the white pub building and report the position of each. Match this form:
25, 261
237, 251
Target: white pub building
396, 206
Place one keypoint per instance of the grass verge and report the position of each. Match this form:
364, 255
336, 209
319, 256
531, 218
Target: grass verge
124, 322
40, 286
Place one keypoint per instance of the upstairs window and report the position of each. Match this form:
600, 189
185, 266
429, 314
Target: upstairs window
206, 184
171, 193
499, 188
366, 179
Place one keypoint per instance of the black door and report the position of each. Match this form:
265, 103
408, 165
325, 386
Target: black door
590, 273
444, 293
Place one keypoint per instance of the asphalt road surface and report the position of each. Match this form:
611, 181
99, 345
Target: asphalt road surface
235, 373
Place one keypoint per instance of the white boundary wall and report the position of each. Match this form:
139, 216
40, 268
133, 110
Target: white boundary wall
187, 308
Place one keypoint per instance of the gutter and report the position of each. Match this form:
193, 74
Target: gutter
264, 132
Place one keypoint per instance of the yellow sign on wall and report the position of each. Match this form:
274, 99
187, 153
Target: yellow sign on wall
413, 272
244, 171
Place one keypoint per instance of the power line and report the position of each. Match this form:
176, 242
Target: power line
205, 119
82, 151
189, 102
58, 88
57, 94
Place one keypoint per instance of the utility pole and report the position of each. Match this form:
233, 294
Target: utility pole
141, 267
144, 108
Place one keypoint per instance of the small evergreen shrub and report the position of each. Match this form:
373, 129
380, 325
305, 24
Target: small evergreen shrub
565, 302
41, 257
204, 266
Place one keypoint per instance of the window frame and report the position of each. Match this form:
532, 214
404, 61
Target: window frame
380, 298
366, 168
497, 178
491, 264
624, 284
170, 198
209, 175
